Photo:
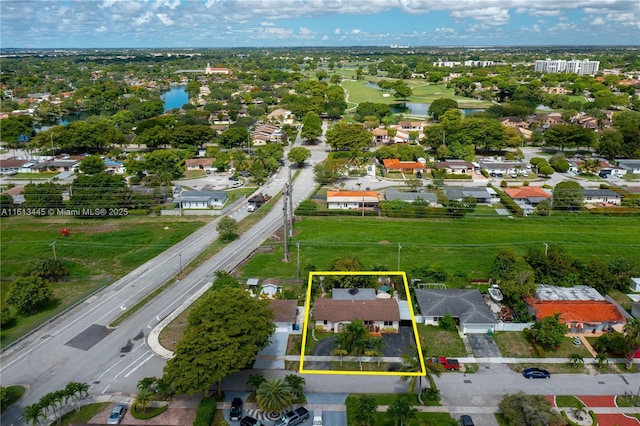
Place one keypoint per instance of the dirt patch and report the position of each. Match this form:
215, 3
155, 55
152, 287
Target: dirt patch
384, 242
172, 333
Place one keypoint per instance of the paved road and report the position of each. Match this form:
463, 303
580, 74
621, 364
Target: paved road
79, 347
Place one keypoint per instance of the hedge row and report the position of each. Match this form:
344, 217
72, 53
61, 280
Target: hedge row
150, 413
508, 202
206, 412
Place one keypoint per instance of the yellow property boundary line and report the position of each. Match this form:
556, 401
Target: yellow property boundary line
307, 308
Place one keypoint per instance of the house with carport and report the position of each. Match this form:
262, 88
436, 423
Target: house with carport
467, 307
393, 194
602, 196
202, 199
285, 314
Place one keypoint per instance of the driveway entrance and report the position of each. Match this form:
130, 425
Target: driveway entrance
483, 346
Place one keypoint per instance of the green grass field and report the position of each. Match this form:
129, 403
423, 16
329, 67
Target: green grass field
464, 248
97, 253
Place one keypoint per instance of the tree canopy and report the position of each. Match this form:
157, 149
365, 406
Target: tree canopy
347, 137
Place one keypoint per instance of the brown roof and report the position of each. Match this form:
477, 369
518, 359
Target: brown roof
12, 162
284, 310
195, 162
349, 310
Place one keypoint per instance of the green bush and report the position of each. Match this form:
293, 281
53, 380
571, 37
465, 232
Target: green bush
458, 176
206, 411
559, 163
149, 414
537, 347
307, 207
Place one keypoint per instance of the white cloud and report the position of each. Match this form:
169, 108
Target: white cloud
165, 19
305, 31
144, 19
598, 21
490, 15
336, 31
325, 37
355, 31
101, 29
267, 24
445, 30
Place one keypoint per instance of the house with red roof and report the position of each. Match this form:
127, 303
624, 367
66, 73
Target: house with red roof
527, 197
394, 165
581, 308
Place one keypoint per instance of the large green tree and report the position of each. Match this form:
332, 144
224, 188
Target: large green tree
400, 411
299, 155
568, 195
348, 136
440, 106
311, 126
549, 331
226, 329
92, 165
29, 293
531, 410
364, 412
274, 395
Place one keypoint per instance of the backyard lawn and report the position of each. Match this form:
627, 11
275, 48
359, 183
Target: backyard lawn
513, 344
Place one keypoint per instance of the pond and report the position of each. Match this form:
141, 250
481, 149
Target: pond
175, 98
415, 108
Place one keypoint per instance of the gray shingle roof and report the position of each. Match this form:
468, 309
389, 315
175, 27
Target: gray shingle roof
468, 305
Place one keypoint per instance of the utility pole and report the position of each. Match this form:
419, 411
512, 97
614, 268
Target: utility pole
399, 248
291, 217
546, 248
298, 262
53, 245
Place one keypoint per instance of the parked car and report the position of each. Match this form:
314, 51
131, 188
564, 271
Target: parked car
317, 417
249, 421
117, 414
446, 363
419, 175
234, 178
524, 173
513, 174
536, 373
292, 418
236, 410
244, 173
466, 420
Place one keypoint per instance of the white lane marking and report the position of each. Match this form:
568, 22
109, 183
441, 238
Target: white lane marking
139, 365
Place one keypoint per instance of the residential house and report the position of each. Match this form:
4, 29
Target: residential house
635, 310
482, 195
631, 166
527, 195
12, 165
204, 164
380, 136
266, 133
113, 166
581, 308
380, 315
505, 167
635, 286
393, 194
411, 126
602, 196
545, 120
285, 314
394, 165
353, 293
281, 115
467, 307
347, 200
513, 122
55, 165
270, 289
459, 167
202, 199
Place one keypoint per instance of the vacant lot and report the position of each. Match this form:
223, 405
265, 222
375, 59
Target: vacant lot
439, 342
97, 252
465, 248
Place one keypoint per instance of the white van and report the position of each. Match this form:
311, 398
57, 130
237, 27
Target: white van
317, 417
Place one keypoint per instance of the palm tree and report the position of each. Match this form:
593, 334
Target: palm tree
411, 363
163, 388
255, 380
632, 338
576, 360
376, 345
274, 395
602, 359
366, 407
354, 339
74, 391
579, 409
33, 413
146, 383
400, 411
143, 399
296, 383
339, 352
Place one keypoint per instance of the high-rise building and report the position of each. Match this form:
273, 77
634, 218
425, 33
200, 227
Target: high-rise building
584, 67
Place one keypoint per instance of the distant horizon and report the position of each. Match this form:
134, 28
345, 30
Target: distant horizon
392, 47
211, 24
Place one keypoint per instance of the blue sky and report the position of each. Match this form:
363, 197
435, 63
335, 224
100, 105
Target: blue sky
293, 23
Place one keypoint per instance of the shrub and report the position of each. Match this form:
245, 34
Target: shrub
508, 202
206, 411
448, 323
150, 413
559, 163
503, 184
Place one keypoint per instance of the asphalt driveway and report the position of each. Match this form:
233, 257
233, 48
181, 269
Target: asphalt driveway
483, 346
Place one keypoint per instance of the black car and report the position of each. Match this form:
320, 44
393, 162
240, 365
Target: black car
536, 373
249, 421
236, 410
234, 178
245, 174
466, 420
419, 175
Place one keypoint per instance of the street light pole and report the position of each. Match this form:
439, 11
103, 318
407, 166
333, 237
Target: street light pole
399, 248
53, 245
180, 257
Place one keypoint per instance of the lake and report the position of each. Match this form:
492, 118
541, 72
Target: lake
415, 108
175, 98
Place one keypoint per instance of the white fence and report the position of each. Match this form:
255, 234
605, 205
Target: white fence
512, 326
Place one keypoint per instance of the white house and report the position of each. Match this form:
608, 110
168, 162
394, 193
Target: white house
602, 196
202, 199
467, 307
347, 200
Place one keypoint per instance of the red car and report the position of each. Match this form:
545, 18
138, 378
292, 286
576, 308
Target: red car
446, 363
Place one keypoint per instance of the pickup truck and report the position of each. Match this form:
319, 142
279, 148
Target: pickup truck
446, 363
292, 418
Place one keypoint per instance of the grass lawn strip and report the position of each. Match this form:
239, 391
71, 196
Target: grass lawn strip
439, 342
86, 413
